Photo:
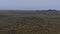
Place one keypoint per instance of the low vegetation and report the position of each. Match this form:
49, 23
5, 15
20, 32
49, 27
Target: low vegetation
30, 22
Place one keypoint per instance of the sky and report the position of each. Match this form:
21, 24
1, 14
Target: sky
29, 4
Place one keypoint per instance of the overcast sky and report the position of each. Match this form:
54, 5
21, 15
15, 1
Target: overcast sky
29, 4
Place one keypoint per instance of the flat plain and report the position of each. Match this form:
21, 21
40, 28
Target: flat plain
29, 22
